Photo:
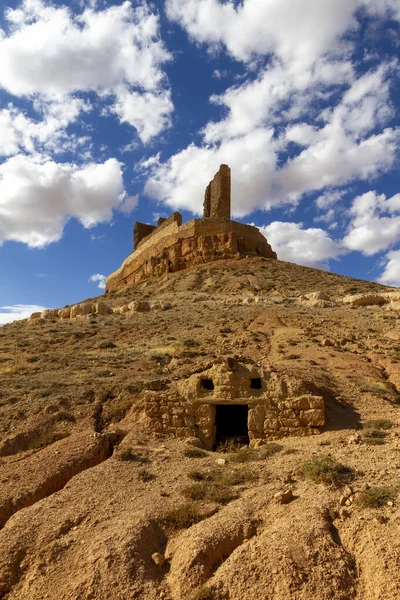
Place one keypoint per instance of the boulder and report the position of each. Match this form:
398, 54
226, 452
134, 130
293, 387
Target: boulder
82, 309
284, 497
49, 313
101, 308
139, 306
312, 296
64, 313
364, 300
35, 315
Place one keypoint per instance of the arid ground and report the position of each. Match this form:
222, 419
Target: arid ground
93, 506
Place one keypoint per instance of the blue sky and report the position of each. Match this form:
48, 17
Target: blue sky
112, 112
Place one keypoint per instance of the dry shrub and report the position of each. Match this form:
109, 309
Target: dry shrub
127, 454
194, 453
184, 516
376, 497
145, 475
248, 454
327, 469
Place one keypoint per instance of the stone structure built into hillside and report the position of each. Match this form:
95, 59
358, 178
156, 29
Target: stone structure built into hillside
172, 246
233, 400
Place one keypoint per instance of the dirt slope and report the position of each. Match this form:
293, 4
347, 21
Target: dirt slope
87, 496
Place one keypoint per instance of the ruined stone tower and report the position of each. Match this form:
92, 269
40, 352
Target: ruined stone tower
172, 246
217, 197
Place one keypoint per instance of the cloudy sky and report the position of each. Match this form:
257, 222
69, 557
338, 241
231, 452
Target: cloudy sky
113, 111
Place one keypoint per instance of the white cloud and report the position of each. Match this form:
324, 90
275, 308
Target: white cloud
48, 133
375, 223
129, 204
37, 198
180, 182
296, 33
8, 314
391, 273
99, 279
279, 142
310, 247
50, 53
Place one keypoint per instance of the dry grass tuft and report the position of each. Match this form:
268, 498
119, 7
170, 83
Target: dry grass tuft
327, 469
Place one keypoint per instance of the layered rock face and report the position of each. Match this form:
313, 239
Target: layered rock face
171, 246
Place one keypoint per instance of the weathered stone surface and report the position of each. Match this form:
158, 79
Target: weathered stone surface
140, 231
101, 308
82, 309
35, 315
187, 407
364, 300
172, 247
64, 313
217, 202
49, 313
139, 306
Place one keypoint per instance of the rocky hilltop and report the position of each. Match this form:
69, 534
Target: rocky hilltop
126, 469
170, 246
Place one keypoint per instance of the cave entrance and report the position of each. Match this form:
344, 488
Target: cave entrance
231, 423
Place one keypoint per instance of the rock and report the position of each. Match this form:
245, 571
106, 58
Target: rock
81, 309
158, 559
284, 497
364, 300
354, 439
220, 461
35, 315
64, 313
49, 313
139, 306
327, 342
343, 500
101, 308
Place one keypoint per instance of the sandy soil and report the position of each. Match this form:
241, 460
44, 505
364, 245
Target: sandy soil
79, 522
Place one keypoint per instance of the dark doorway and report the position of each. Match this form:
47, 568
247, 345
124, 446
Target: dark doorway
231, 422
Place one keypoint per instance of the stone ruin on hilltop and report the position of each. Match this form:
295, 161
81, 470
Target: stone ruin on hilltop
172, 246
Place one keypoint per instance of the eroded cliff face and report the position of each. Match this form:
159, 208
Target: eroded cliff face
174, 247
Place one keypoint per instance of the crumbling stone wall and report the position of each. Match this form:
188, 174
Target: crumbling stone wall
140, 231
283, 405
217, 197
173, 247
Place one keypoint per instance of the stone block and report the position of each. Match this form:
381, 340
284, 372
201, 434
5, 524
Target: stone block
312, 418
256, 418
